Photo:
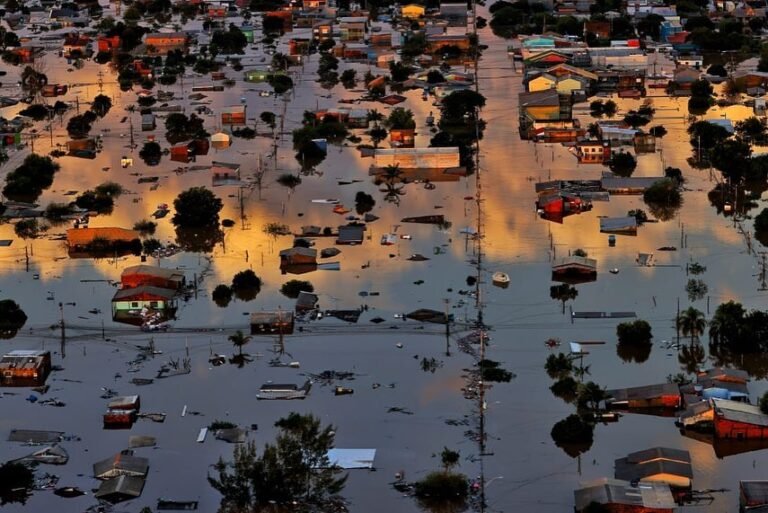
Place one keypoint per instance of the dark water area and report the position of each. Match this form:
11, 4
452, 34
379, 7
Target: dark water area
524, 469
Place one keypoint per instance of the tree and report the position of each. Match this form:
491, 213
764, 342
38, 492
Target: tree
634, 333
731, 158
623, 164
196, 208
222, 295
79, 126
269, 118
761, 221
717, 70
27, 182
751, 129
764, 403
27, 228
573, 434
293, 473
558, 367
461, 106
16, 482
663, 198
364, 202
658, 131
246, 285
151, 153
563, 293
101, 105
292, 288
377, 134
400, 118
589, 395
289, 180
238, 339
565, 388
449, 459
12, 319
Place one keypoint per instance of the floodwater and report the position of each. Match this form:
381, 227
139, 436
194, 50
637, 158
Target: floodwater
524, 470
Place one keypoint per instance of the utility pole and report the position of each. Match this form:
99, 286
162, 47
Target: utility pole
63, 331
763, 284
447, 328
26, 257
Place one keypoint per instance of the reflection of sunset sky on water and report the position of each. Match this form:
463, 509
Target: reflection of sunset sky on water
536, 473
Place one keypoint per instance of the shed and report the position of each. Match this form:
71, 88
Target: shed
138, 275
658, 464
126, 402
25, 367
621, 497
271, 323
306, 301
121, 464
351, 234
119, 489
753, 496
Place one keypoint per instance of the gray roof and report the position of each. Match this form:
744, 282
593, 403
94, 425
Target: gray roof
35, 436
233, 435
271, 317
309, 252
121, 464
632, 471
657, 453
638, 182
737, 411
643, 392
614, 491
618, 223
120, 488
730, 374
754, 492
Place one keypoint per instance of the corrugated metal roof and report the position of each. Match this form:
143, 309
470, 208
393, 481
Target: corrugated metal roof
617, 224
739, 412
614, 491
150, 270
120, 488
659, 453
121, 464
755, 492
631, 471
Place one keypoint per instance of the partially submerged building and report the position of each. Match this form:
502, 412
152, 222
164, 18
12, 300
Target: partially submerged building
119, 489
664, 395
121, 464
272, 323
25, 367
657, 465
618, 496
575, 269
138, 275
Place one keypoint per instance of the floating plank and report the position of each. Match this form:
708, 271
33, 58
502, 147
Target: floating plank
202, 434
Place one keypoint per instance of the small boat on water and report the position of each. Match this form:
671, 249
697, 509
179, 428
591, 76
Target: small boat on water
331, 201
615, 270
500, 279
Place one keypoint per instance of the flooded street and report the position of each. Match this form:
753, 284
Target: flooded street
406, 414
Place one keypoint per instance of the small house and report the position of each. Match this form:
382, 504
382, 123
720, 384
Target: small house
108, 44
575, 269
592, 152
248, 32
298, 256
272, 323
665, 395
753, 496
306, 302
725, 375
121, 464
353, 28
622, 497
119, 489
147, 122
738, 420
234, 115
182, 152
542, 82
225, 173
122, 412
138, 275
127, 303
351, 234
657, 465
23, 367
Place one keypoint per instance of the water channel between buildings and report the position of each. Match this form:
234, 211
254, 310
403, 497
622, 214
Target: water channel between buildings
526, 471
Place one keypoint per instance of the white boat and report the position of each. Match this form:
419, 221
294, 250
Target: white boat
500, 279
329, 201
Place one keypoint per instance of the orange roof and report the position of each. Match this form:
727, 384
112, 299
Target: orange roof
81, 236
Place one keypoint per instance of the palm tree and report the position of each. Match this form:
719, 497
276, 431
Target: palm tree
590, 395
239, 340
691, 323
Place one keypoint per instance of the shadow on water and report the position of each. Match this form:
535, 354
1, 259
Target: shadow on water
637, 353
199, 240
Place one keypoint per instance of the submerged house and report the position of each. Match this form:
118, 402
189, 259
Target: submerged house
225, 173
133, 305
121, 464
25, 367
234, 115
622, 497
753, 496
138, 275
121, 488
575, 269
737, 420
86, 242
272, 323
298, 260
656, 465
664, 395
619, 225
